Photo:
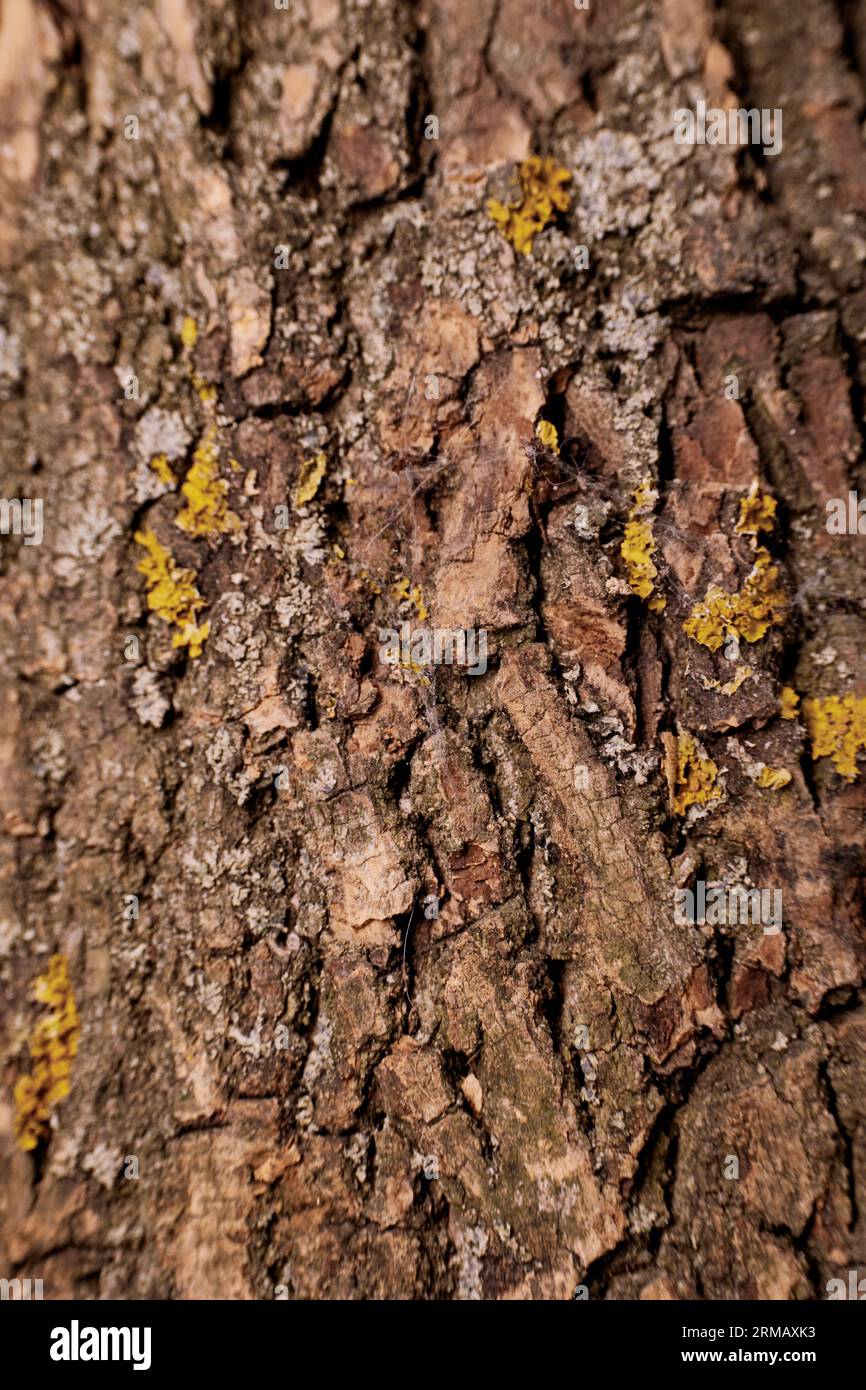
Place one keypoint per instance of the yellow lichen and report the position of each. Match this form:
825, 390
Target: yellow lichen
790, 701
172, 594
772, 778
837, 729
732, 686
638, 546
206, 512
757, 512
696, 777
52, 1049
749, 614
160, 465
311, 474
403, 592
408, 664
541, 191
547, 434
372, 584
189, 332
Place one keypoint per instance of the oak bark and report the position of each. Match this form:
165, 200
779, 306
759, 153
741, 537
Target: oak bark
404, 1011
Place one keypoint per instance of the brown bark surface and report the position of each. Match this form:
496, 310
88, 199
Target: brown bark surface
405, 1011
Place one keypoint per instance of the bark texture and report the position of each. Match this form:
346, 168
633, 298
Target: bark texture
404, 1011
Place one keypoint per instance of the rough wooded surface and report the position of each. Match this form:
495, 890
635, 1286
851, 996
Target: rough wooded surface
283, 1040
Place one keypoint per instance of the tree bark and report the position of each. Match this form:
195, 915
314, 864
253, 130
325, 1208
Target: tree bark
376, 986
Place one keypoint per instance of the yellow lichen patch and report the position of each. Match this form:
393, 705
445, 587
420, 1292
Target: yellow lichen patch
404, 592
407, 664
311, 474
372, 584
790, 701
541, 192
206, 394
172, 594
696, 777
732, 686
52, 1049
160, 465
837, 729
638, 547
547, 434
772, 778
749, 615
757, 512
189, 332
206, 512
